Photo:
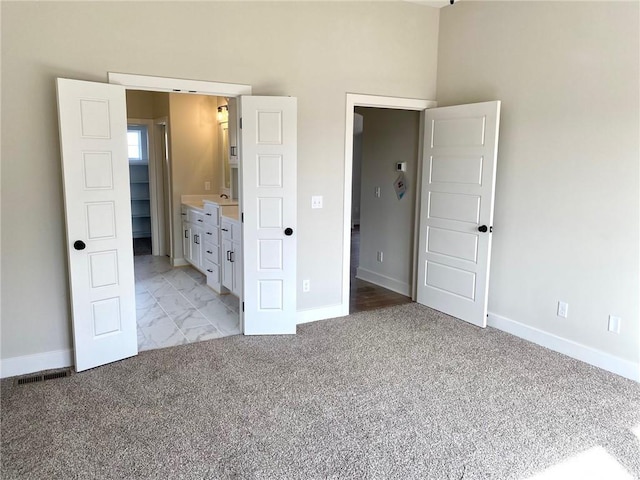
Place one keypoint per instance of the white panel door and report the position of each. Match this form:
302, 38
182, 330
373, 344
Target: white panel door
269, 158
456, 211
93, 126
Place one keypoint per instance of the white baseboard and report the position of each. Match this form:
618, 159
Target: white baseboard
10, 367
179, 262
312, 315
597, 358
403, 288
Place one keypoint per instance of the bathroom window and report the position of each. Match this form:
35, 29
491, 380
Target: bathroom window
137, 143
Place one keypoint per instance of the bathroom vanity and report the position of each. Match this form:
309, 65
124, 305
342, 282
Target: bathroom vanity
211, 241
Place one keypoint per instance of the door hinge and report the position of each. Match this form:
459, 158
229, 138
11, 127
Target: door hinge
240, 122
242, 217
243, 306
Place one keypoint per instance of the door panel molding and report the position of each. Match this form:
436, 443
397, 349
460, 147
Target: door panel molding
269, 189
453, 270
92, 118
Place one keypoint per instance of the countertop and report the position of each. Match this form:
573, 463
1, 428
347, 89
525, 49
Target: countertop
199, 203
231, 212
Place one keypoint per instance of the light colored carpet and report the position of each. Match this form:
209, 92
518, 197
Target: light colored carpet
401, 393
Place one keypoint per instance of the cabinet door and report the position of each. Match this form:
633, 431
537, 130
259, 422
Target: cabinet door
237, 270
227, 265
225, 229
186, 241
196, 246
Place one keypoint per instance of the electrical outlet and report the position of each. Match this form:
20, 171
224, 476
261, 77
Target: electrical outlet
207, 186
380, 256
316, 201
306, 285
377, 192
614, 324
563, 309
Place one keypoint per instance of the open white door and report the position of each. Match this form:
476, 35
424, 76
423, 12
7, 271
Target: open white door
269, 158
456, 210
93, 126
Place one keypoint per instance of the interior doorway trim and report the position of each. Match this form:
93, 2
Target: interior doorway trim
178, 85
164, 192
361, 100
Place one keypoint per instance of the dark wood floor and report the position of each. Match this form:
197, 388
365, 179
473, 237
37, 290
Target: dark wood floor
142, 246
364, 295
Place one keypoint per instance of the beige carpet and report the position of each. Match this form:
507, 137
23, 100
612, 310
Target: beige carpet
401, 393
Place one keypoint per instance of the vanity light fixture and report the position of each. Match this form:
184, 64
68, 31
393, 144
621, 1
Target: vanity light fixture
223, 113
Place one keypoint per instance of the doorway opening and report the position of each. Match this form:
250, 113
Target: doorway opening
178, 146
138, 146
382, 207
364, 247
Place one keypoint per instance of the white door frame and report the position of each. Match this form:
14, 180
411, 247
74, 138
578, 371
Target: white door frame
178, 85
163, 187
360, 100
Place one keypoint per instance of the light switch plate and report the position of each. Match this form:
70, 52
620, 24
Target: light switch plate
316, 201
614, 324
563, 309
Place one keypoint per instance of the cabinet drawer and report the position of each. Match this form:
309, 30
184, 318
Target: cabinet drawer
184, 213
211, 214
212, 252
231, 230
196, 217
225, 229
212, 271
210, 234
236, 232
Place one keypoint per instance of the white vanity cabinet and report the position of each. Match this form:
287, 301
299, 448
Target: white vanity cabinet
196, 219
186, 233
192, 228
211, 245
231, 234
203, 242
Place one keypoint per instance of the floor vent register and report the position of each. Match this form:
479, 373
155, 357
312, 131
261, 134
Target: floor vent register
41, 377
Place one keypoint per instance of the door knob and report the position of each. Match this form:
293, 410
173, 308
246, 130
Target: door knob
288, 231
79, 245
482, 228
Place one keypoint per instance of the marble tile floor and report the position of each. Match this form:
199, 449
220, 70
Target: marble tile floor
174, 306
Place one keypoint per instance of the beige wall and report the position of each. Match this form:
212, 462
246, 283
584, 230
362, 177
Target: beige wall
140, 104
194, 152
314, 51
148, 105
567, 198
160, 104
386, 223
